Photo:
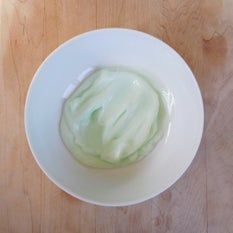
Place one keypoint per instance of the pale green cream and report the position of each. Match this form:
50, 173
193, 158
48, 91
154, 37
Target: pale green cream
114, 118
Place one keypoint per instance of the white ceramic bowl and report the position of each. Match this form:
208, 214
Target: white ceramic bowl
134, 183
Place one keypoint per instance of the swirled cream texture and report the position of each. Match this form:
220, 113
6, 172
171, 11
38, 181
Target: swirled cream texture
114, 118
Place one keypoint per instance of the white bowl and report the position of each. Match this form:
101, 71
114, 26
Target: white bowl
137, 182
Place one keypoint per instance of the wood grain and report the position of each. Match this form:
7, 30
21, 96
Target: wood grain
202, 32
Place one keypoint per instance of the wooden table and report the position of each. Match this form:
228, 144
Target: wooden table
202, 32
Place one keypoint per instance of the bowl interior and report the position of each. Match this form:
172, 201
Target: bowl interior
137, 182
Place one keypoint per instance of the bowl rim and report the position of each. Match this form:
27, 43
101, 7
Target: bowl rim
62, 186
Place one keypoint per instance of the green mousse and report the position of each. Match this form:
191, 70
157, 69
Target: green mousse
114, 118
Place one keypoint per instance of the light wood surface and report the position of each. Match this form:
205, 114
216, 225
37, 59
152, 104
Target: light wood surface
202, 32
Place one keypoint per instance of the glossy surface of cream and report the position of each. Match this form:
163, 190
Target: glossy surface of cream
113, 118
